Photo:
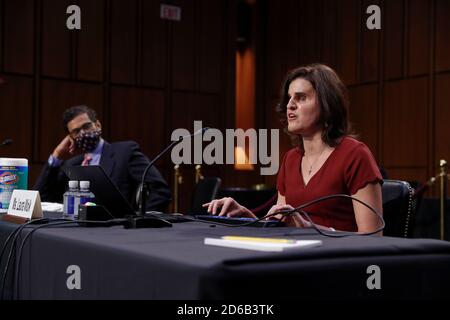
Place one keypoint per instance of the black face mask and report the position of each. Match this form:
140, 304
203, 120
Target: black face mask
87, 141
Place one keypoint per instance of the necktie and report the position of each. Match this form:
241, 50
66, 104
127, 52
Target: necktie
87, 159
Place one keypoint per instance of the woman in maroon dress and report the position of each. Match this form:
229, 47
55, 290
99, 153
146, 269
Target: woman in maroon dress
325, 161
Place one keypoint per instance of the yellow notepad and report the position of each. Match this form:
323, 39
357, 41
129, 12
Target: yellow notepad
257, 239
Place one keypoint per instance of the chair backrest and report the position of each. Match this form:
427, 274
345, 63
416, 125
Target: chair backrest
398, 211
204, 191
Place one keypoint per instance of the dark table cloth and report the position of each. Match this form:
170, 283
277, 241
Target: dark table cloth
173, 263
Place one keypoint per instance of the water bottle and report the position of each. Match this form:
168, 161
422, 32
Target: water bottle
83, 196
69, 199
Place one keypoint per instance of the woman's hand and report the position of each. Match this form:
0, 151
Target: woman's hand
292, 220
228, 207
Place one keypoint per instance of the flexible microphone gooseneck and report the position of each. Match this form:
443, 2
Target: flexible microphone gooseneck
170, 146
6, 142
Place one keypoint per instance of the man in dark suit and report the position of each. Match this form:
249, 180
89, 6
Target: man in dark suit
123, 162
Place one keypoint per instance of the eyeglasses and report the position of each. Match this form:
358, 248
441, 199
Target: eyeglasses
85, 127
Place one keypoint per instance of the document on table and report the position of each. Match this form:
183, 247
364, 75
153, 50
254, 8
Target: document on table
261, 244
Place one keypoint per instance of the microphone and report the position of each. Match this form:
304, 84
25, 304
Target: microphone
170, 146
6, 142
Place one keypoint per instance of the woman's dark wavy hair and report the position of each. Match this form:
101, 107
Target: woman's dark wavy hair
332, 97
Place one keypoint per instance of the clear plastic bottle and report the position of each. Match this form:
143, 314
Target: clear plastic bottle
84, 195
69, 199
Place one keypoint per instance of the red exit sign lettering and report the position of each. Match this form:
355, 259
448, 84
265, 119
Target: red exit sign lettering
170, 12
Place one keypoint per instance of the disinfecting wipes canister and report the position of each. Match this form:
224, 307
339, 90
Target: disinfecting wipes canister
13, 175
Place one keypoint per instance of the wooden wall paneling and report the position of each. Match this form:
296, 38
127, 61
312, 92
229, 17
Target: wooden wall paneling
405, 123
138, 114
408, 174
329, 24
1, 35
283, 43
19, 36
369, 46
418, 37
190, 107
17, 114
205, 103
123, 41
441, 120
364, 115
211, 40
347, 38
182, 116
307, 41
442, 35
393, 50
150, 120
91, 41
186, 108
182, 104
209, 109
229, 89
57, 96
290, 44
154, 45
260, 25
56, 40
184, 43
274, 49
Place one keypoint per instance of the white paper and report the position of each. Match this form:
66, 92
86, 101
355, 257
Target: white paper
52, 206
262, 246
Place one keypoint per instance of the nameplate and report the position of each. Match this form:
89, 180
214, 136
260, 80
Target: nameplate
25, 204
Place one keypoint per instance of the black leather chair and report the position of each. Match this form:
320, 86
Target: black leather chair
204, 191
398, 210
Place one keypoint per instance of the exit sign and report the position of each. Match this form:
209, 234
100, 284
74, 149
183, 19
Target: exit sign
170, 12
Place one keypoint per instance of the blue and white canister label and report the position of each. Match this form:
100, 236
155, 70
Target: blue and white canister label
13, 175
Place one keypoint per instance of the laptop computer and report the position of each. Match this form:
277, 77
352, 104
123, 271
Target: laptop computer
248, 222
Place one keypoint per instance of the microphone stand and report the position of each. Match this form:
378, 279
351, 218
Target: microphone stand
154, 221
144, 184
